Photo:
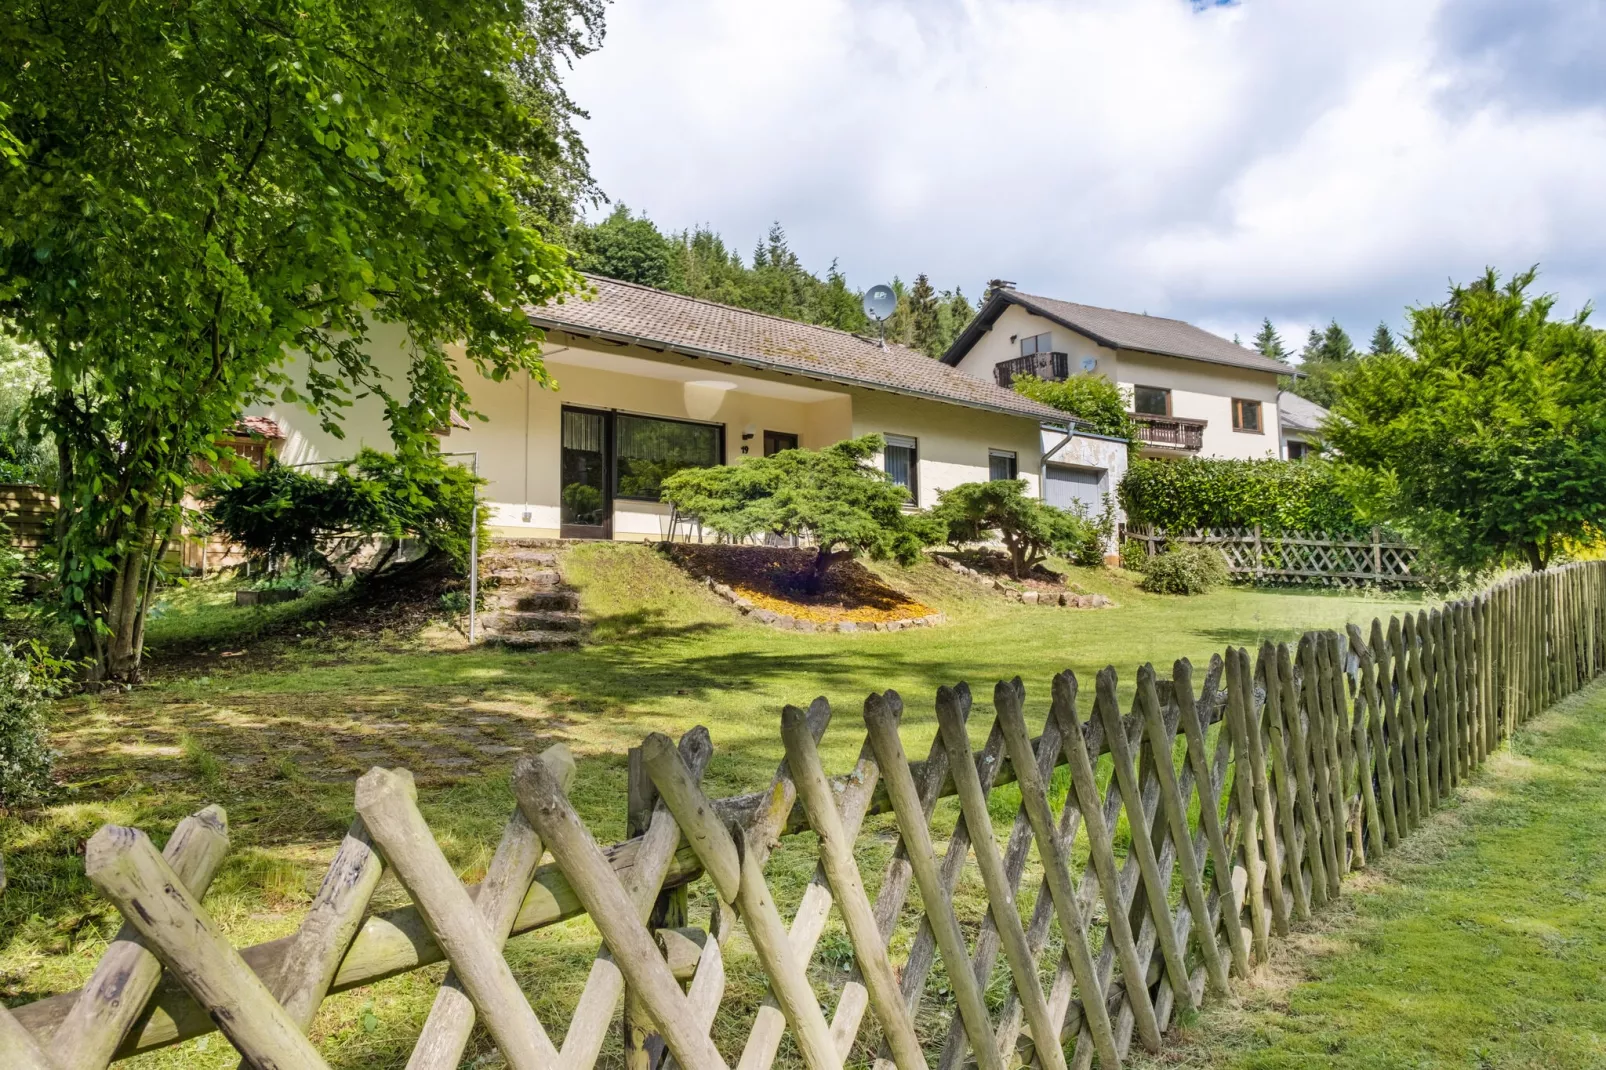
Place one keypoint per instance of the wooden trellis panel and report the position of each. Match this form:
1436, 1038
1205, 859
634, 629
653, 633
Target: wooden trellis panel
1297, 558
1244, 801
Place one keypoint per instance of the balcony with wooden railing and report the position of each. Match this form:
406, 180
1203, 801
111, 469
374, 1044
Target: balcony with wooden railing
1055, 367
1170, 432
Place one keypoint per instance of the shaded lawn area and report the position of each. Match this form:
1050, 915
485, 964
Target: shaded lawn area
1480, 943
278, 729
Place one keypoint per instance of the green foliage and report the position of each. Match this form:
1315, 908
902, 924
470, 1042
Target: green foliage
24, 457
1269, 343
205, 189
1185, 569
294, 513
697, 262
625, 247
1490, 440
1382, 341
832, 497
1280, 496
25, 755
1096, 401
1327, 355
1029, 529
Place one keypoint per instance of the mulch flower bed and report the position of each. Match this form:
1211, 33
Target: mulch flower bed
767, 584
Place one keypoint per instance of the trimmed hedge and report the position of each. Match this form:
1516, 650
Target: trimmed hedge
1280, 496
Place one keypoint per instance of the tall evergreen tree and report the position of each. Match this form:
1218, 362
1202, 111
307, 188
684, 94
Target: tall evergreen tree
1327, 353
626, 247
1269, 343
925, 326
1383, 340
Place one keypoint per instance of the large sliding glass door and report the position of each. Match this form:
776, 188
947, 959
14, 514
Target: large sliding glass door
586, 494
609, 455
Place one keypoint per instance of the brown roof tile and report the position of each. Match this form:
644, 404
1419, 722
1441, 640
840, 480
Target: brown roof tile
689, 325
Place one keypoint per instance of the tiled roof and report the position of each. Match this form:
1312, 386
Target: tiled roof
261, 426
1120, 330
657, 319
1299, 414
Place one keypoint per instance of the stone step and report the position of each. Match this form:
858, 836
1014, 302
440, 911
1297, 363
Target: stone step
533, 640
540, 620
528, 601
545, 577
500, 558
527, 544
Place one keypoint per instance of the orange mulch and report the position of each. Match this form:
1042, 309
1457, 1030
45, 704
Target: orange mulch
771, 578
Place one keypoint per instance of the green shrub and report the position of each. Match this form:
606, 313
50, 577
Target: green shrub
1280, 496
25, 756
1029, 529
1096, 401
1185, 569
290, 512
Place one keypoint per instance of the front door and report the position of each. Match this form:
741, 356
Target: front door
586, 495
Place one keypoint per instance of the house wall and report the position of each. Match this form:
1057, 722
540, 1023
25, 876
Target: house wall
517, 441
1200, 390
1014, 323
1204, 391
953, 443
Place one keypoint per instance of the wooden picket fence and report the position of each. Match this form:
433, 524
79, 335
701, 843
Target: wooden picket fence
1379, 560
1245, 797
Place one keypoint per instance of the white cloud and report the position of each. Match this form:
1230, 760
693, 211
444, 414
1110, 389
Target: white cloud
1272, 157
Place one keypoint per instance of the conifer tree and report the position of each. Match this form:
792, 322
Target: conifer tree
1269, 343
925, 328
1383, 340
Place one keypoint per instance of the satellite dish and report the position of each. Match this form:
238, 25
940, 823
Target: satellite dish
880, 302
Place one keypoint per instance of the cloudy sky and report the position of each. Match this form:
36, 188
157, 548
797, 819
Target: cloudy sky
1217, 162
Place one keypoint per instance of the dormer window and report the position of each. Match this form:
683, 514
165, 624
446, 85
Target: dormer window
1037, 343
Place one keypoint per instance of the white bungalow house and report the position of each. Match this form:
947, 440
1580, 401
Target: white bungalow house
649, 382
1193, 394
1301, 421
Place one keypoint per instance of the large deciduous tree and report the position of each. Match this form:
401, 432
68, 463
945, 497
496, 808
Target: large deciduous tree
1489, 440
831, 497
196, 190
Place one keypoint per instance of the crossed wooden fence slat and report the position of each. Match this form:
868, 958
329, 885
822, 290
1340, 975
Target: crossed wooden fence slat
1334, 560
1227, 814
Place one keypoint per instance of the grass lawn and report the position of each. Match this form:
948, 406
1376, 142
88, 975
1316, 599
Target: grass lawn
1480, 943
278, 728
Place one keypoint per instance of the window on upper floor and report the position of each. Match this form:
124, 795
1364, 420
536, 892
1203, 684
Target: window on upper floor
1151, 400
1246, 416
1037, 343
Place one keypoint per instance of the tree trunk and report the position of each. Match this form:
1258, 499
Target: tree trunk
1017, 558
1536, 556
824, 558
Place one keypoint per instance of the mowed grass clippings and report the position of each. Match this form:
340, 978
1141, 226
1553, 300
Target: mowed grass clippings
277, 719
1480, 943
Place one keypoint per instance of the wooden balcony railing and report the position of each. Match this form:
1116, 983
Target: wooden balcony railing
1170, 432
1054, 367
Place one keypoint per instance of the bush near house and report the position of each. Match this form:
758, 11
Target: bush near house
1187, 569
829, 497
1096, 401
292, 513
1280, 496
1029, 529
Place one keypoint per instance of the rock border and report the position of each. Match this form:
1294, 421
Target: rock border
785, 623
1029, 597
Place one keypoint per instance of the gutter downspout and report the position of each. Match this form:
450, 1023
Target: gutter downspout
1042, 468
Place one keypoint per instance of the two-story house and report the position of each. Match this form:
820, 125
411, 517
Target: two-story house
1192, 393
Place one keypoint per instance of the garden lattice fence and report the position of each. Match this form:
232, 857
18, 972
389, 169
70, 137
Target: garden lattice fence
1336, 560
1220, 811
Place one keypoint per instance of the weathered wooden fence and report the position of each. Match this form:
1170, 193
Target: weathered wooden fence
27, 513
1379, 560
1228, 810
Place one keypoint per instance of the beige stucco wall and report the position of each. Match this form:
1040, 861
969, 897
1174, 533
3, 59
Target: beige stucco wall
953, 443
1199, 390
1014, 323
1204, 391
